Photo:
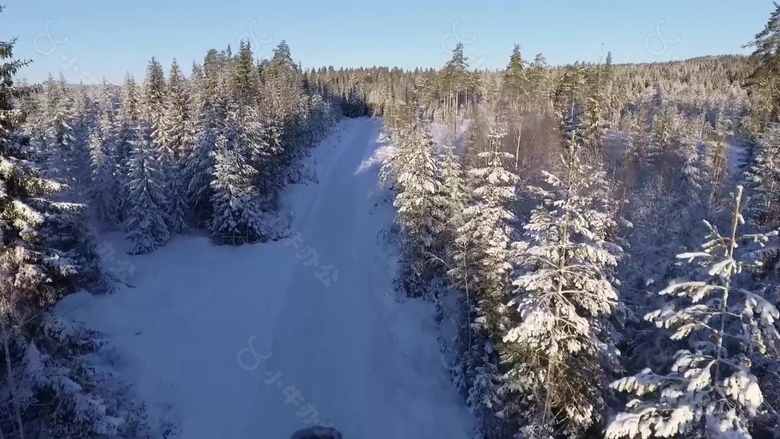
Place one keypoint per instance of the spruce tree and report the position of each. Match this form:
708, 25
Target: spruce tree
245, 80
175, 141
84, 119
593, 123
46, 390
130, 116
104, 191
764, 178
146, 222
236, 218
454, 192
559, 348
710, 390
59, 140
198, 169
420, 207
762, 83
154, 93
481, 265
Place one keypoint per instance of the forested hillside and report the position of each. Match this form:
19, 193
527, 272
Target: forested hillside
604, 234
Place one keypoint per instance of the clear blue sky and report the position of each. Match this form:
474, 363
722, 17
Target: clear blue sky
111, 37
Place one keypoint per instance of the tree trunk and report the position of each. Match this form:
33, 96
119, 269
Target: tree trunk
517, 147
14, 394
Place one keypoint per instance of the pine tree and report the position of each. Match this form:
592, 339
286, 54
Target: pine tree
559, 350
710, 390
282, 57
146, 222
538, 77
455, 78
275, 157
515, 80
282, 82
251, 143
155, 102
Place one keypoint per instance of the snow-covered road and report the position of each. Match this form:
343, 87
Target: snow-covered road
346, 353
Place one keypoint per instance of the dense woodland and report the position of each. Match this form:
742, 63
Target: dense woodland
609, 230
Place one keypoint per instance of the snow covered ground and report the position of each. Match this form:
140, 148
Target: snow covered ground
737, 153
254, 341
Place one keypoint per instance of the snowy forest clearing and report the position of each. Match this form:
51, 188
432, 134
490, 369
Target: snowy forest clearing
366, 365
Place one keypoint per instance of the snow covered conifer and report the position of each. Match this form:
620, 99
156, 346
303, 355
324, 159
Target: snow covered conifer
85, 115
455, 77
198, 171
515, 77
246, 124
488, 226
145, 225
127, 133
244, 76
154, 94
236, 217
174, 141
762, 82
559, 350
57, 120
764, 178
481, 264
594, 125
710, 390
46, 253
178, 120
420, 206
453, 190
104, 188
